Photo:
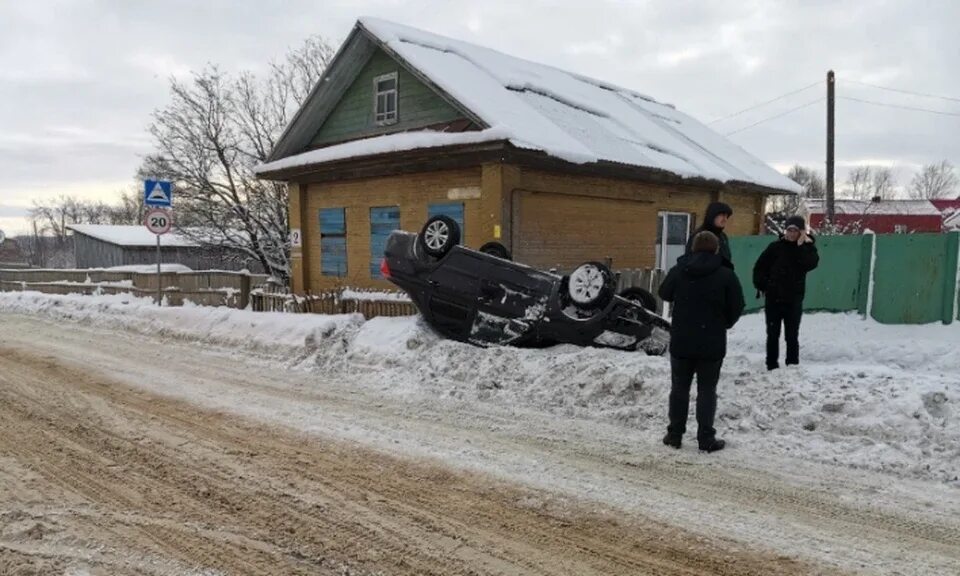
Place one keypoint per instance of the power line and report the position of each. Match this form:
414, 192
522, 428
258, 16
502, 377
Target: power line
915, 109
790, 111
771, 101
901, 91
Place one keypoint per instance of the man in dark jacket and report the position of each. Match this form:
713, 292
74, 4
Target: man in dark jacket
707, 301
715, 220
781, 275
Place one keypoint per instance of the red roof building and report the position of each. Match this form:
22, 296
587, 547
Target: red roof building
878, 216
950, 214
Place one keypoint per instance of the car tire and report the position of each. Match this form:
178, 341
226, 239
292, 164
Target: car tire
641, 297
496, 249
590, 286
439, 235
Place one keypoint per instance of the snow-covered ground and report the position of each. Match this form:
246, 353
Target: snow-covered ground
866, 395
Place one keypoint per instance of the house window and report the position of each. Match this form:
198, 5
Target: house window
333, 242
673, 231
900, 228
383, 221
385, 99
452, 210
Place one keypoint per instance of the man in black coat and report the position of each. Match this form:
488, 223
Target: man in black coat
715, 220
707, 301
781, 275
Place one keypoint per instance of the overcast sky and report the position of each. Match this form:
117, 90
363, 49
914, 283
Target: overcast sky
79, 79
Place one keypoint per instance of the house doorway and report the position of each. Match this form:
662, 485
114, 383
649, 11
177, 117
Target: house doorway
673, 231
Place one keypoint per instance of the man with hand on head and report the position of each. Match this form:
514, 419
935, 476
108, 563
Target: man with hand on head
780, 274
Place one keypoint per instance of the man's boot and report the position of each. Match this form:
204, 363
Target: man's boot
712, 445
673, 441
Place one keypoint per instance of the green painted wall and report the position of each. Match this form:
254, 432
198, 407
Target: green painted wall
745, 250
914, 276
835, 286
910, 279
352, 117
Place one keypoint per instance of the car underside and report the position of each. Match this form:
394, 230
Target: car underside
484, 298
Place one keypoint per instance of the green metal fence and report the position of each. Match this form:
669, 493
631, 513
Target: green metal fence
914, 276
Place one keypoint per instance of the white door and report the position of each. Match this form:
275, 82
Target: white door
673, 231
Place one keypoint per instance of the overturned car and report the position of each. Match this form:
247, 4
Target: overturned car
482, 297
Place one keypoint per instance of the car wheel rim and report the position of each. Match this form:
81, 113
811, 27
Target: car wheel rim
437, 235
586, 283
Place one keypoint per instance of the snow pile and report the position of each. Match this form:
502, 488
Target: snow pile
867, 395
273, 332
131, 235
379, 296
149, 268
400, 142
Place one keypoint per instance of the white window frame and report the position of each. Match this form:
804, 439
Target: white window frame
382, 119
662, 216
900, 229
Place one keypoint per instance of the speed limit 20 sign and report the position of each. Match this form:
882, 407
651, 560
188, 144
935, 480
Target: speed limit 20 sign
158, 221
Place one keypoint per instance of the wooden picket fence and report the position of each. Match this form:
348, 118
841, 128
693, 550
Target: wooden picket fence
339, 302
204, 288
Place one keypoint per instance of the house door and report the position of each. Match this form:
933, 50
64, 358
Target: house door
673, 231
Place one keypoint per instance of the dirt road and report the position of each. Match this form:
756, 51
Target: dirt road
106, 479
126, 454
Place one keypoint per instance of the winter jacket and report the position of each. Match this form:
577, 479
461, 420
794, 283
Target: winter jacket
781, 271
713, 210
707, 301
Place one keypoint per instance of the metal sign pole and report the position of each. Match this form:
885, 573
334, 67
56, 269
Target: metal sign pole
159, 291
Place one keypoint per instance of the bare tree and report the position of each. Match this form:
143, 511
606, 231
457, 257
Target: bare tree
51, 218
938, 180
883, 184
780, 207
859, 183
127, 211
868, 182
215, 130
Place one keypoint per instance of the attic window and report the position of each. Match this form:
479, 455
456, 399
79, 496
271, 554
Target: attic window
385, 99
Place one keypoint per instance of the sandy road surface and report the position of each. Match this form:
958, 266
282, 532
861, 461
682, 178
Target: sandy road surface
117, 459
100, 478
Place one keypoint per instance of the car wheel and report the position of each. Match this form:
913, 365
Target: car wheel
590, 286
439, 235
641, 297
496, 249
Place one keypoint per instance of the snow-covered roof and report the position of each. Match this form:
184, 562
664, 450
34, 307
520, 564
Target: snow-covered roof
539, 107
130, 235
951, 221
891, 207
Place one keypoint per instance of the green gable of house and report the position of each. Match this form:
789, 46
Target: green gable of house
353, 116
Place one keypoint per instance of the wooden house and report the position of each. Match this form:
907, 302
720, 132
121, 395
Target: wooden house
557, 167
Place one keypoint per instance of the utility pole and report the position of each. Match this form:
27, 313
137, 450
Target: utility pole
831, 82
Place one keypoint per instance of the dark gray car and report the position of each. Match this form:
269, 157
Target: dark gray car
484, 298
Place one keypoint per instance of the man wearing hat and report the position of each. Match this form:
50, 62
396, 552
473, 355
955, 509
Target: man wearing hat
715, 221
781, 275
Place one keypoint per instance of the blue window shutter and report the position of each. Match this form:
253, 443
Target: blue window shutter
333, 242
452, 210
383, 221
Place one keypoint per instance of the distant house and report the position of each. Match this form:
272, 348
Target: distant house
879, 216
557, 167
103, 246
950, 212
10, 252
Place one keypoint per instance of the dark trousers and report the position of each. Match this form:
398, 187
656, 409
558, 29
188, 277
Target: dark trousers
787, 314
682, 372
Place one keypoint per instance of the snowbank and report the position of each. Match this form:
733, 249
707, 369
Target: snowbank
866, 396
